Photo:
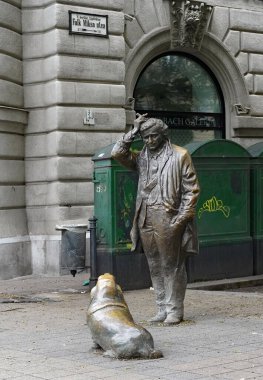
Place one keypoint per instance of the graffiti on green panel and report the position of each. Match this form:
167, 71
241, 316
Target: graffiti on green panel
214, 205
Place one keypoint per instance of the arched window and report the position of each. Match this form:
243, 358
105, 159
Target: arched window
181, 91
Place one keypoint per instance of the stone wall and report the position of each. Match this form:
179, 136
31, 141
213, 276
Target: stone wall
232, 48
14, 242
241, 29
64, 76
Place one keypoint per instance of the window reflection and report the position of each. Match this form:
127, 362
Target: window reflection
183, 93
177, 83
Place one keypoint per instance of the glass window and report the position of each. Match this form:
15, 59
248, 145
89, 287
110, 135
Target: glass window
180, 90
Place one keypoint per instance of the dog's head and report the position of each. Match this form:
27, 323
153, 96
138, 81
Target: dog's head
107, 289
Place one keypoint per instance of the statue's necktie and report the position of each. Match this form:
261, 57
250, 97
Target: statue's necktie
152, 174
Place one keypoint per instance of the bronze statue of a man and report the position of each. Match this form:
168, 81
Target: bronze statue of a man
165, 207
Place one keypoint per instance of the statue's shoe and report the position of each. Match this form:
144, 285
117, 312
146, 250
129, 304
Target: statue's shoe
172, 319
159, 317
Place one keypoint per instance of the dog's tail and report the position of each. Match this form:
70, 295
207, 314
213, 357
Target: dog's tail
155, 354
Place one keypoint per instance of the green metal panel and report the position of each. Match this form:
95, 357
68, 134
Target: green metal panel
125, 189
256, 152
114, 200
257, 200
223, 209
217, 148
103, 205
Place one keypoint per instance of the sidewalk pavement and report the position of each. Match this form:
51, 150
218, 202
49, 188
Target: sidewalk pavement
43, 334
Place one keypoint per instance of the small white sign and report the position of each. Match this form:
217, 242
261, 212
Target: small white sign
89, 24
89, 118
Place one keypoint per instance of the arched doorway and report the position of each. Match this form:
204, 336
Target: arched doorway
179, 89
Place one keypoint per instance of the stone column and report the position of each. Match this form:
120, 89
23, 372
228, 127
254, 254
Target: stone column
65, 75
14, 243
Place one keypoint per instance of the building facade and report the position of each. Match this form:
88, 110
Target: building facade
67, 91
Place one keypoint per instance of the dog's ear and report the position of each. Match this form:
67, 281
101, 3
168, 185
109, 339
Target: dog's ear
120, 294
118, 288
92, 292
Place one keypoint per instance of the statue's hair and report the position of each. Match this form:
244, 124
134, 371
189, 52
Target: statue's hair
158, 124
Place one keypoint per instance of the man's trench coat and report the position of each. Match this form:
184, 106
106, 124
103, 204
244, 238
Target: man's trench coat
178, 183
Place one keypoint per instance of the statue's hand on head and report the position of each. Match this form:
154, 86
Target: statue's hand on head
137, 123
129, 137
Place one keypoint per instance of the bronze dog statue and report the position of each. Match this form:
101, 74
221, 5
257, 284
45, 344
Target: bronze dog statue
112, 326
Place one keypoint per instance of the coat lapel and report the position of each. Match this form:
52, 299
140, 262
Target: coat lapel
165, 157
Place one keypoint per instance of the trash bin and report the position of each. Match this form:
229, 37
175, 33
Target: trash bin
115, 190
73, 248
256, 152
223, 211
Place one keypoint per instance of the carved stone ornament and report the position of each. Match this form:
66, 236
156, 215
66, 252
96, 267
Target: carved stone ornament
241, 109
189, 20
129, 105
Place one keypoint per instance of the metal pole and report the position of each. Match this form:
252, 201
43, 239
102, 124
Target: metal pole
93, 252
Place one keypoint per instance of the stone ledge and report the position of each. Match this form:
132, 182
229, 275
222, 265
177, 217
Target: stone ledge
256, 105
14, 115
249, 122
65, 143
37, 4
110, 4
58, 168
12, 171
59, 193
248, 133
13, 222
43, 220
256, 63
242, 4
252, 42
245, 20
56, 16
73, 68
258, 83
10, 43
112, 47
58, 42
73, 93
11, 69
10, 16
11, 94
71, 118
11, 146
12, 196
16, 3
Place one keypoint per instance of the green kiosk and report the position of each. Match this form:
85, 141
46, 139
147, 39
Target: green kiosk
223, 215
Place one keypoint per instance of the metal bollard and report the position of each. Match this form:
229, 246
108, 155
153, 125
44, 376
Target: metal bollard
93, 251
